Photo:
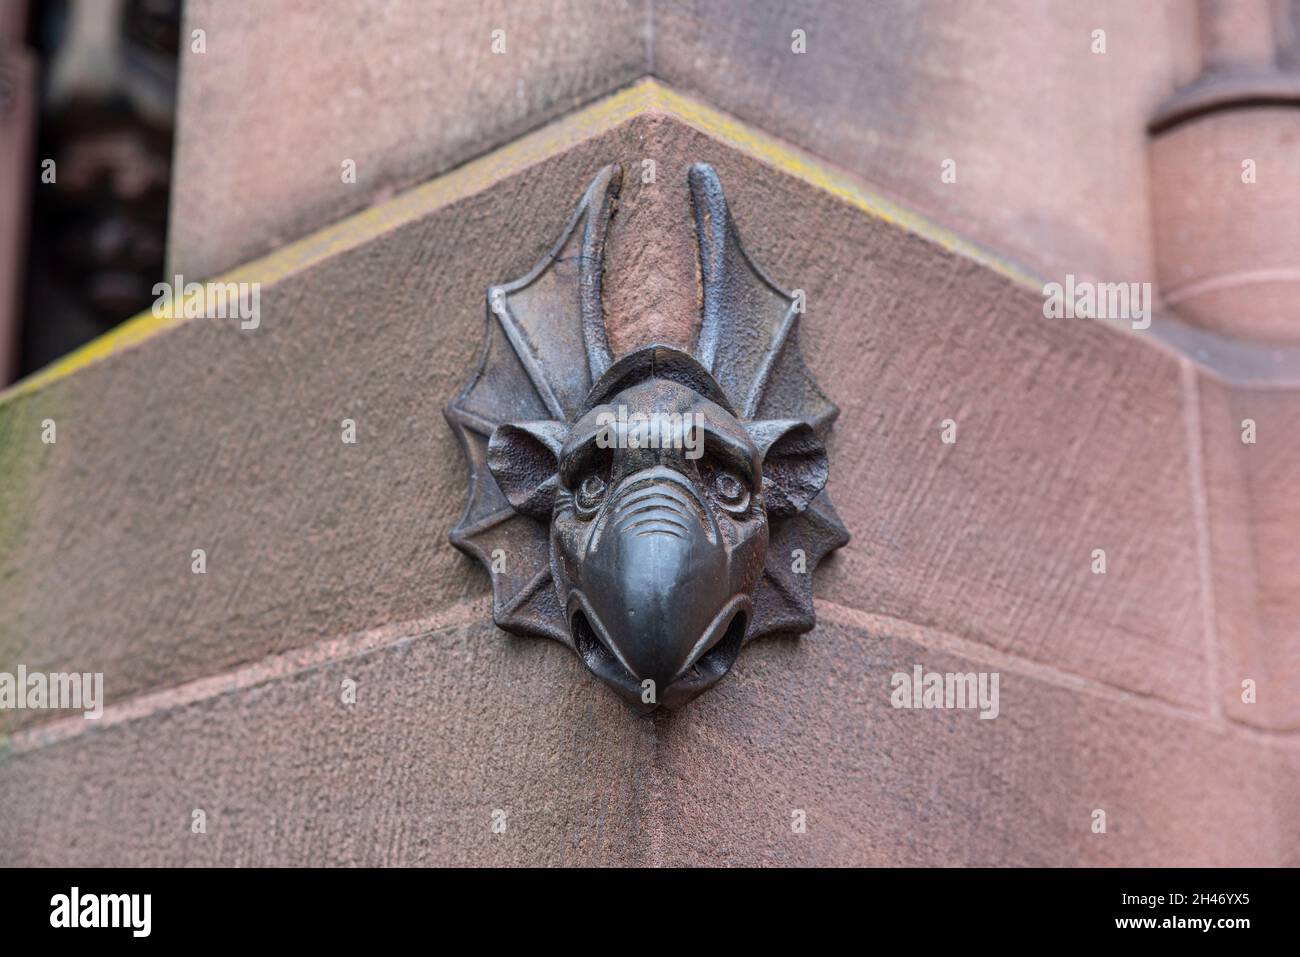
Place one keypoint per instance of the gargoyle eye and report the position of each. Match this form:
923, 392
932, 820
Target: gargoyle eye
731, 491
591, 492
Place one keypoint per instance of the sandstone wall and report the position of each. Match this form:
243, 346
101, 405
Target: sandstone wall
329, 562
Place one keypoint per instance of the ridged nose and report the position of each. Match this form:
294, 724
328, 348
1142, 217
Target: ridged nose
660, 508
655, 575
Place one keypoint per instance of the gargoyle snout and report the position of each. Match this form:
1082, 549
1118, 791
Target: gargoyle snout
655, 582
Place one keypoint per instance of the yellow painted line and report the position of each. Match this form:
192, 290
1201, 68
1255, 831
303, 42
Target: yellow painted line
477, 175
134, 330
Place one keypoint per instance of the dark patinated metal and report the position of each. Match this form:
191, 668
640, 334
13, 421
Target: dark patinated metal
655, 560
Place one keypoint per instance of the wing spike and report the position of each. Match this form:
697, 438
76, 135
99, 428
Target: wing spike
746, 318
600, 199
555, 311
788, 326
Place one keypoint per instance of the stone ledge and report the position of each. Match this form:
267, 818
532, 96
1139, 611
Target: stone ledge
452, 725
235, 446
884, 91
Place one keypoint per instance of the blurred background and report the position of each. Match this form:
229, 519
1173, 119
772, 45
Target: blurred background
92, 88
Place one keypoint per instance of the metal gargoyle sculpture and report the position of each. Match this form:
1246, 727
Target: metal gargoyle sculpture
654, 560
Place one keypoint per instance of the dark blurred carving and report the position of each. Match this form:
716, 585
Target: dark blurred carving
98, 244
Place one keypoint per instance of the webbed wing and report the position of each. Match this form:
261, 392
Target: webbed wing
749, 342
545, 345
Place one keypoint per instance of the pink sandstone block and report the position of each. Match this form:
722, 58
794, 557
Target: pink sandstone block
1254, 524
454, 724
1069, 438
288, 90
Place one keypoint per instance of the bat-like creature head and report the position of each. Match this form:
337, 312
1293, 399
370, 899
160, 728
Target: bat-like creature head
658, 498
658, 486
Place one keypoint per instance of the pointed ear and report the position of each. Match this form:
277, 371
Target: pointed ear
524, 459
794, 464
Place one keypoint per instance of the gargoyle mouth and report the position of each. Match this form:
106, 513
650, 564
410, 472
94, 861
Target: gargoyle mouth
713, 655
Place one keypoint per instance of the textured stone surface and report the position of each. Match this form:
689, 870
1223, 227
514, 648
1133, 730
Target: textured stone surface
329, 562
1048, 137
452, 725
808, 725
235, 446
289, 89
447, 728
1254, 521
307, 536
1070, 438
887, 91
